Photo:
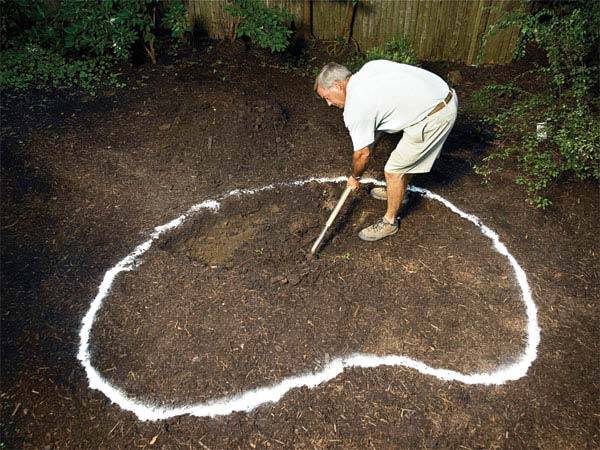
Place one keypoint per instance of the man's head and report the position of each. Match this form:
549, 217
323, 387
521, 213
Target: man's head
331, 83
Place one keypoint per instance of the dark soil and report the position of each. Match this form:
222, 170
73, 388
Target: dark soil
234, 294
229, 301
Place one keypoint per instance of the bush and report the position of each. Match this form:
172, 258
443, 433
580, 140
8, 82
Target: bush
176, 20
398, 50
263, 25
567, 104
68, 42
32, 65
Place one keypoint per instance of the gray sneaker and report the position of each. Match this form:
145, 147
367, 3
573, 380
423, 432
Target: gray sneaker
380, 193
380, 229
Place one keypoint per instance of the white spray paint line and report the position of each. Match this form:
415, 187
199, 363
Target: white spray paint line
251, 399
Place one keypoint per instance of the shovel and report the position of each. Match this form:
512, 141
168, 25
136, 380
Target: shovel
332, 217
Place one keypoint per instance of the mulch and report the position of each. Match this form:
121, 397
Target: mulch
229, 301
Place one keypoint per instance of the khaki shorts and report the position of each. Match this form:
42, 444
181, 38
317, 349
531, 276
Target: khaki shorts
422, 142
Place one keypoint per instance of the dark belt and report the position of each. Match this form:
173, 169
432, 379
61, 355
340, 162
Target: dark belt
441, 104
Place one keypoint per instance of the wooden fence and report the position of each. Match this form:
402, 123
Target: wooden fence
448, 30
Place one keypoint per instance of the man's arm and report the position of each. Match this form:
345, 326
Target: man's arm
360, 159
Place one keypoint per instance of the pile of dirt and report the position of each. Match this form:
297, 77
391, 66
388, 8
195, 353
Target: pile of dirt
259, 114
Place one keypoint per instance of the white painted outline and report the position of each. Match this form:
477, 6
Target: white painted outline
251, 399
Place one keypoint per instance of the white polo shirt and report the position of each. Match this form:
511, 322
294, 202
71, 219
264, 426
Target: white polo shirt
388, 96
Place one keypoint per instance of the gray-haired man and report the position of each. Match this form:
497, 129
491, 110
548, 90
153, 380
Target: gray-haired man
384, 96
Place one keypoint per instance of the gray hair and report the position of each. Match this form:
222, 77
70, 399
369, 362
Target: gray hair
331, 73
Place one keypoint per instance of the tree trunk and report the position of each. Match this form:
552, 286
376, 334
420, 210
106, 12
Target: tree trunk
350, 13
150, 46
150, 51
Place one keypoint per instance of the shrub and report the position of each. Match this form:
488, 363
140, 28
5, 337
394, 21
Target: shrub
566, 104
263, 25
84, 28
176, 20
70, 42
32, 65
398, 50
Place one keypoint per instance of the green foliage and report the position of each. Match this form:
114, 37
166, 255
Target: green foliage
567, 104
68, 42
176, 20
32, 65
83, 28
398, 50
264, 25
567, 34
572, 145
345, 257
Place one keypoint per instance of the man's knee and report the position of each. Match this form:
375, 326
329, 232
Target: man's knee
396, 176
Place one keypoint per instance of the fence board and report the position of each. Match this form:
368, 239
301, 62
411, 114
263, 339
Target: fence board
451, 43
495, 41
437, 29
512, 33
429, 20
412, 34
444, 30
467, 19
396, 26
407, 18
421, 17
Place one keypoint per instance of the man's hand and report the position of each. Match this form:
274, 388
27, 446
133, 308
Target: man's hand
360, 158
353, 183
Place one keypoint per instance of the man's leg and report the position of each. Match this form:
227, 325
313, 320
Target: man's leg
396, 188
388, 225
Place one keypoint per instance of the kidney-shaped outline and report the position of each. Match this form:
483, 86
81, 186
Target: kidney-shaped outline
248, 400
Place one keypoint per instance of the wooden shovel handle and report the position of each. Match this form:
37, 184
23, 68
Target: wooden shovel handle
332, 217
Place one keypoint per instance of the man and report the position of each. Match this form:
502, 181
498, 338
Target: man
384, 96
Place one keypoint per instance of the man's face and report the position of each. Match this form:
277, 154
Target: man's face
336, 96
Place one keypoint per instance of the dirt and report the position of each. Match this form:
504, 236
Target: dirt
229, 301
234, 293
